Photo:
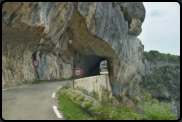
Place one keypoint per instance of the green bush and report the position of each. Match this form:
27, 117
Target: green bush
88, 105
153, 54
74, 98
95, 95
105, 99
65, 87
156, 111
166, 77
177, 66
82, 98
125, 109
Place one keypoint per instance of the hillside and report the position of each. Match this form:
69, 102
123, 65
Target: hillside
161, 78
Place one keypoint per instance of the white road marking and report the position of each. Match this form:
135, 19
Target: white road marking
57, 112
54, 94
59, 87
23, 85
4, 89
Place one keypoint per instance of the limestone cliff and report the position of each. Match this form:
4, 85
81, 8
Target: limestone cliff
161, 78
99, 30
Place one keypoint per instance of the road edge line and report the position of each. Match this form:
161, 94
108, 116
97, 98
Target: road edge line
54, 94
57, 112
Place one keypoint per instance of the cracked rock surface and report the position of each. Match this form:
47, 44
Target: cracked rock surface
41, 30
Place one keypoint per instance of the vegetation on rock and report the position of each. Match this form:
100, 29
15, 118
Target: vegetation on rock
156, 111
108, 111
163, 78
127, 16
155, 55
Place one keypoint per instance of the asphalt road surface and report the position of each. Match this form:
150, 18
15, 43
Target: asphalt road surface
31, 102
104, 73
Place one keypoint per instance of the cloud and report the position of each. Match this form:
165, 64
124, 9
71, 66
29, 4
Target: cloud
161, 27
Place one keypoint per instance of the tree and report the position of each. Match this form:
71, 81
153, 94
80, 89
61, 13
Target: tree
179, 58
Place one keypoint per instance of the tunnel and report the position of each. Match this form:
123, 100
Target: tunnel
23, 39
91, 65
91, 47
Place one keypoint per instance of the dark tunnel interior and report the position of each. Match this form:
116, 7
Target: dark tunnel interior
92, 65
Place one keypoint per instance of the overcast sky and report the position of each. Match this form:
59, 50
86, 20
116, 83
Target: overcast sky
161, 27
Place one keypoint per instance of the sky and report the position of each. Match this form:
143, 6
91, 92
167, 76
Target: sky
161, 27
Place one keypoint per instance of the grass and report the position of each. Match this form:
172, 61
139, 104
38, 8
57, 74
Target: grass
72, 111
122, 113
82, 110
39, 81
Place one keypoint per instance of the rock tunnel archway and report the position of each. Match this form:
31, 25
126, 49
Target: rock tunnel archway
92, 48
98, 30
92, 65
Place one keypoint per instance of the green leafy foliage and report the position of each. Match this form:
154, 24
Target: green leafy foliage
127, 16
155, 111
125, 109
82, 98
65, 87
95, 95
153, 54
143, 111
163, 79
88, 105
74, 98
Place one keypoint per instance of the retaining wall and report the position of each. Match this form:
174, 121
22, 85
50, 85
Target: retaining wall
93, 83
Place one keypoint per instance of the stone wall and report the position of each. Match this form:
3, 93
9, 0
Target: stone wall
94, 83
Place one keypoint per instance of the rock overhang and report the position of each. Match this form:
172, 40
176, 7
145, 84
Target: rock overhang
96, 29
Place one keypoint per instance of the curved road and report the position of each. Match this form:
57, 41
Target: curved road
31, 102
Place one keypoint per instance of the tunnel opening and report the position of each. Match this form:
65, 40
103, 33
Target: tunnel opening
92, 65
103, 67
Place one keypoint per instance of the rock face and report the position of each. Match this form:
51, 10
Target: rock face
169, 90
40, 31
145, 68
137, 11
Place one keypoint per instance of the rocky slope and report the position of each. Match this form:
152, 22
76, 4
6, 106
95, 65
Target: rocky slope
161, 78
99, 30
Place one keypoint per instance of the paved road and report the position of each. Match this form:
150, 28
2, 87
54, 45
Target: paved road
104, 73
31, 102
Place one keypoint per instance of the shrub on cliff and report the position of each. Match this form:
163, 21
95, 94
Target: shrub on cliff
155, 111
161, 81
155, 55
127, 16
